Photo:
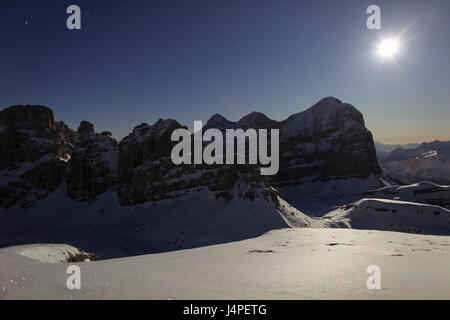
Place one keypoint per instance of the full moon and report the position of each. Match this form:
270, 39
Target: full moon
388, 48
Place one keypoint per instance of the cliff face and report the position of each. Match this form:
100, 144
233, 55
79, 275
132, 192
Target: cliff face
144, 162
93, 164
31, 155
327, 141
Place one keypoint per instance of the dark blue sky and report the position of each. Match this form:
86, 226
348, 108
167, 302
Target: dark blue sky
139, 60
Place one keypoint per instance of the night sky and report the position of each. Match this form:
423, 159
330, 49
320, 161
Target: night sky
140, 60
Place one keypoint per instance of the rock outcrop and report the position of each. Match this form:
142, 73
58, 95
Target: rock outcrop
327, 141
69, 135
31, 151
85, 129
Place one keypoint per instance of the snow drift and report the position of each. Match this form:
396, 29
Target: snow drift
392, 215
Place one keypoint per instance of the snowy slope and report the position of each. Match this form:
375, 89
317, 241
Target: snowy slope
104, 227
55, 253
285, 264
321, 197
392, 215
422, 192
431, 167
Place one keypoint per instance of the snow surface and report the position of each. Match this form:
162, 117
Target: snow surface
104, 227
304, 263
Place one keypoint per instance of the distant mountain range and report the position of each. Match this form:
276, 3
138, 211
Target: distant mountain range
427, 162
384, 149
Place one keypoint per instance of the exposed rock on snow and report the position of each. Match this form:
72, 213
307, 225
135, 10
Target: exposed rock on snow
55, 253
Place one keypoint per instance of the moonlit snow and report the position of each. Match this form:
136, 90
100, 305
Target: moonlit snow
303, 263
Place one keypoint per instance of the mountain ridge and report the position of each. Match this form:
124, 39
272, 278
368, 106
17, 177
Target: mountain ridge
327, 141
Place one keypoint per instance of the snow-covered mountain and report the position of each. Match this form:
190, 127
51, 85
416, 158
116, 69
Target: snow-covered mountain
328, 141
429, 161
90, 190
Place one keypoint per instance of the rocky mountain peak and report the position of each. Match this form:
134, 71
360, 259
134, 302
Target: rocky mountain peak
218, 121
68, 134
257, 120
31, 116
85, 129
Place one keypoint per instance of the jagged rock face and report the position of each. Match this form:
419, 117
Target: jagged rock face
26, 134
148, 174
30, 148
93, 165
147, 143
31, 116
144, 158
85, 129
327, 141
69, 135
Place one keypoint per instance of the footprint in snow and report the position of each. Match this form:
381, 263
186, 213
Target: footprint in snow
261, 251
